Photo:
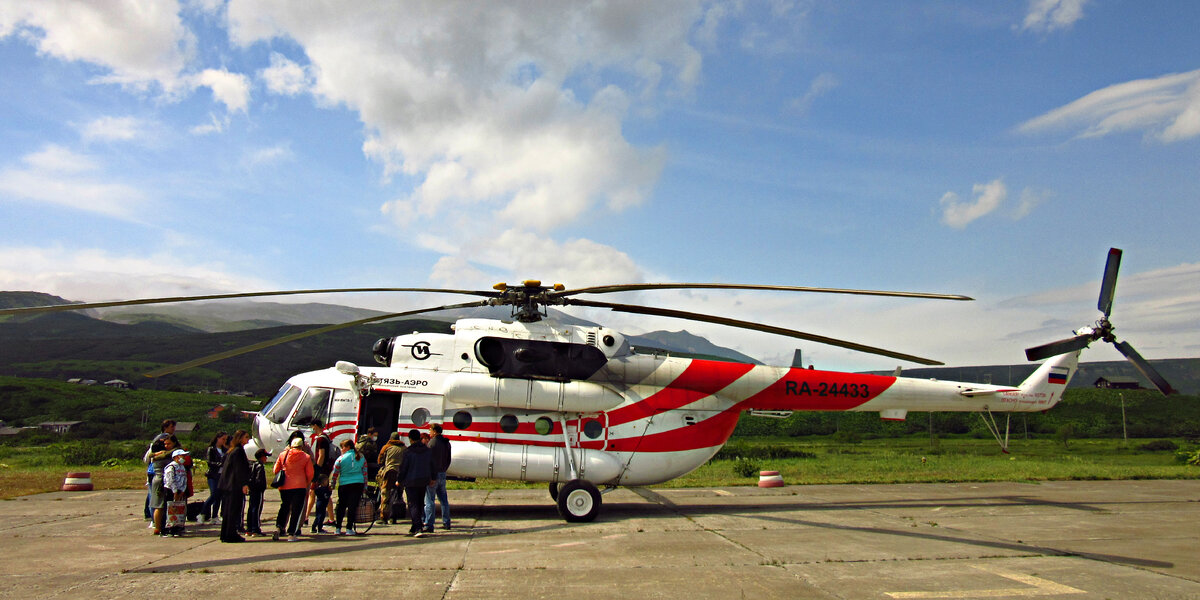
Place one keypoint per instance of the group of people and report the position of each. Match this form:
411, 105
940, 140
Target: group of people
313, 470
307, 472
231, 476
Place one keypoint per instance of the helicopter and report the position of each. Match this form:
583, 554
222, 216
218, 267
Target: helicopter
577, 408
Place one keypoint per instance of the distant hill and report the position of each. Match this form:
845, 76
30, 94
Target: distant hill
235, 315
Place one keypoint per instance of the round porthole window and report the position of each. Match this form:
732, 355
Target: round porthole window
462, 419
508, 423
592, 428
543, 425
420, 416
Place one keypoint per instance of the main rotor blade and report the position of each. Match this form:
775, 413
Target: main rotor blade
296, 336
1109, 285
631, 287
691, 316
168, 299
1078, 342
1143, 366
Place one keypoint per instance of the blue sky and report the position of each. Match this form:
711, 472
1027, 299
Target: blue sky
991, 149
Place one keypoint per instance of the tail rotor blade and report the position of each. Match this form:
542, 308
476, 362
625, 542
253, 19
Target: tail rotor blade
1109, 286
1044, 351
1143, 366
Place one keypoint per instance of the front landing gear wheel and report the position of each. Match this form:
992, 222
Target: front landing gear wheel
579, 501
554, 491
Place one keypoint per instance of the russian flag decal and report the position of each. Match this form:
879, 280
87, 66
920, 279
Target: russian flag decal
1059, 375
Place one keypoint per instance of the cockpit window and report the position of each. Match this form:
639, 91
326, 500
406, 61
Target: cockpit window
314, 407
280, 406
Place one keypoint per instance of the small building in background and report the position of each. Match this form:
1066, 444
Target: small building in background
1118, 383
119, 384
59, 426
185, 427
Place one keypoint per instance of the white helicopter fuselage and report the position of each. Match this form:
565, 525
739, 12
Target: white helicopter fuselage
548, 402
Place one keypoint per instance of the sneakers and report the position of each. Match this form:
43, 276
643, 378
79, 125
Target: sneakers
201, 519
446, 526
340, 531
293, 538
419, 534
429, 529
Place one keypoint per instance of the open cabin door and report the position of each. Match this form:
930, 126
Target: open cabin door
380, 410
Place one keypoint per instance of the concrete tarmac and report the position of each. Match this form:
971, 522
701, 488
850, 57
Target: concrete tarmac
1091, 539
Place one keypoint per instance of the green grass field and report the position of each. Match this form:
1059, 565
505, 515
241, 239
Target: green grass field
30, 470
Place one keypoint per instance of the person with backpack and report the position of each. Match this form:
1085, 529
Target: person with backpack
323, 457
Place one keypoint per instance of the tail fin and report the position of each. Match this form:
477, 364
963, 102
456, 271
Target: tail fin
1052, 377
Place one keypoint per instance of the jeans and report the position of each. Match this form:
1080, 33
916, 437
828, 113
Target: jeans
213, 505
440, 491
321, 507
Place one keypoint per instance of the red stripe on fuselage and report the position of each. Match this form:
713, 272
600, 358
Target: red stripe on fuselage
701, 378
807, 389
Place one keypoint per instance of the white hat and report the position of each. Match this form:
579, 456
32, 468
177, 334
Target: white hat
298, 443
179, 452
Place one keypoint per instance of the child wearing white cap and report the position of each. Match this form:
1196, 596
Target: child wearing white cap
175, 480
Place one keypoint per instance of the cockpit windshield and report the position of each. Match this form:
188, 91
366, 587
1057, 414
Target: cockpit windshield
314, 407
278, 409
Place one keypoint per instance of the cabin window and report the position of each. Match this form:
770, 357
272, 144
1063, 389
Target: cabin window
508, 423
462, 419
281, 405
313, 407
592, 428
543, 425
420, 416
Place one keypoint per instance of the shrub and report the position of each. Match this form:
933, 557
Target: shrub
745, 467
92, 453
1159, 446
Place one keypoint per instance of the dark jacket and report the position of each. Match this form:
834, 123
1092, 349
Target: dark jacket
235, 471
440, 447
416, 467
214, 459
258, 477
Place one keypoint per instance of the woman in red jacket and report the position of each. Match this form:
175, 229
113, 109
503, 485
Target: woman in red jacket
298, 475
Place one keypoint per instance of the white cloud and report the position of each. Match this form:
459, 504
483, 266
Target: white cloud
821, 85
1050, 15
515, 255
60, 177
1030, 199
230, 89
494, 109
105, 129
94, 275
1166, 108
988, 197
269, 155
285, 76
215, 124
140, 42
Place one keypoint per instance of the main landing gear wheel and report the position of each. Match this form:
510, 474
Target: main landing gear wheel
554, 491
579, 501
